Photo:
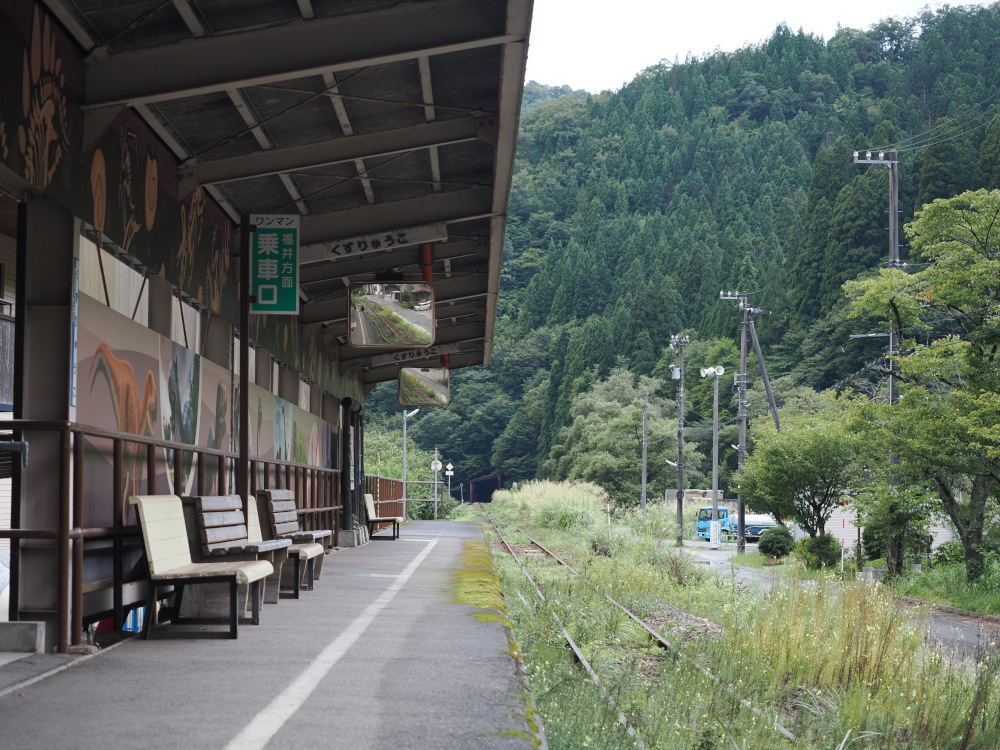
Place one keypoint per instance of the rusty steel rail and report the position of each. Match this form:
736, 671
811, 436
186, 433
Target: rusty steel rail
317, 490
782, 730
577, 653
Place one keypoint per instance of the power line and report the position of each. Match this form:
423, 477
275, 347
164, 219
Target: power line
914, 141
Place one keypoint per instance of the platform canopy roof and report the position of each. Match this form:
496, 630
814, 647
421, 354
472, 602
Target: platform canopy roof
367, 117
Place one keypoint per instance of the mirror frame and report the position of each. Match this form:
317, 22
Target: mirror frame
404, 373
415, 287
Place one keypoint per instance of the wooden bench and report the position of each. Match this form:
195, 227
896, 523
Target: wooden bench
281, 512
298, 552
164, 535
217, 527
373, 519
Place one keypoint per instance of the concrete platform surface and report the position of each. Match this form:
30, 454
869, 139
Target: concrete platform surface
378, 656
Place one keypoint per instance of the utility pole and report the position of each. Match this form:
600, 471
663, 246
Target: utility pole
679, 342
715, 373
888, 159
747, 327
645, 448
741, 383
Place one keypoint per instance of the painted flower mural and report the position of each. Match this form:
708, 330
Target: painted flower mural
44, 136
134, 414
179, 415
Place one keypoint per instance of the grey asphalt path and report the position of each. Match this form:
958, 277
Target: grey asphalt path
956, 637
379, 656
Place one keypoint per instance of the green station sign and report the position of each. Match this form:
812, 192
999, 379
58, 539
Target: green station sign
274, 264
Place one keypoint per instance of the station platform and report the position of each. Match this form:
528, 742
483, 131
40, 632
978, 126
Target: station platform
379, 655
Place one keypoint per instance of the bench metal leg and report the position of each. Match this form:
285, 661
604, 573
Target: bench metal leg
255, 595
310, 569
234, 618
147, 621
296, 575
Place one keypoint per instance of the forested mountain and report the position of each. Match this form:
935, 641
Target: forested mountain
631, 210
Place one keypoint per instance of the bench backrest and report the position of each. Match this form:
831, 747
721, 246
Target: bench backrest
221, 525
282, 511
370, 505
164, 534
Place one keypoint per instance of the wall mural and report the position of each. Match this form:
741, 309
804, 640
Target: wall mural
134, 380
180, 383
43, 104
118, 389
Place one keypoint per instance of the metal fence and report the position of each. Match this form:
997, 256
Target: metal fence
317, 496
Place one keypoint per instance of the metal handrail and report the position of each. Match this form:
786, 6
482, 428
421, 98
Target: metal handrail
312, 485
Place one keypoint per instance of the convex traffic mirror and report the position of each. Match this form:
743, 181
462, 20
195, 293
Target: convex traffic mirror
424, 386
393, 315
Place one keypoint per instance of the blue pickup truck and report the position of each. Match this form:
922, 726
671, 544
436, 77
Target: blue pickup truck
755, 523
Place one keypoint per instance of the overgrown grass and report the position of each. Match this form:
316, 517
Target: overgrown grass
830, 660
946, 584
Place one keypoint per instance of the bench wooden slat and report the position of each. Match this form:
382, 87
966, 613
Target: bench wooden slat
280, 529
284, 494
223, 534
221, 518
286, 517
219, 503
283, 506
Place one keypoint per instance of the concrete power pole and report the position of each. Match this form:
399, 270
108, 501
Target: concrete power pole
679, 342
890, 159
741, 384
747, 330
645, 448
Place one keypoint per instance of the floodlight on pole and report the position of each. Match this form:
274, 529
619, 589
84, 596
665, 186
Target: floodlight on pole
679, 342
406, 415
715, 373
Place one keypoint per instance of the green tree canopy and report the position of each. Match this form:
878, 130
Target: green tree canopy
946, 431
804, 471
603, 442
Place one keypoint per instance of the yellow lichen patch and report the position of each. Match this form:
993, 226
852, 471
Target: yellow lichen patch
477, 584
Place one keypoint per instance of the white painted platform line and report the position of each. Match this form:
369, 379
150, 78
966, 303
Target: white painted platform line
268, 722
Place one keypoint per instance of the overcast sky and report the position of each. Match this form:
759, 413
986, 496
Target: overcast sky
602, 45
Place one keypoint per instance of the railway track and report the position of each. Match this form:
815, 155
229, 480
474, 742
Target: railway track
656, 636
383, 331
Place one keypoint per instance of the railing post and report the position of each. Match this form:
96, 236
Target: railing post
76, 622
118, 490
178, 472
220, 480
201, 473
150, 468
65, 519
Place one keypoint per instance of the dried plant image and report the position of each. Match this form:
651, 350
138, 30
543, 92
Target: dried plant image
218, 266
151, 190
192, 220
44, 138
99, 189
127, 188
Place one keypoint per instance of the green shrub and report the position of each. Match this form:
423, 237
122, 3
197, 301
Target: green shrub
873, 540
949, 553
818, 552
776, 542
